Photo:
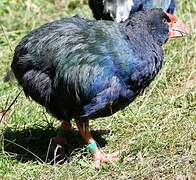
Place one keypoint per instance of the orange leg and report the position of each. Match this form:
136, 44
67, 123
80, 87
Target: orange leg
66, 125
61, 133
98, 157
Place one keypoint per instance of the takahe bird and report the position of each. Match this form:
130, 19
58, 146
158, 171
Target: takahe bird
119, 10
85, 69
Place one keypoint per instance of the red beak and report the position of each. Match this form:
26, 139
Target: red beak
176, 27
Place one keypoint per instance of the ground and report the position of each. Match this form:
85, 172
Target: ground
156, 134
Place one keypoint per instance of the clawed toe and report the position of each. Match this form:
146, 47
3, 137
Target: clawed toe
100, 158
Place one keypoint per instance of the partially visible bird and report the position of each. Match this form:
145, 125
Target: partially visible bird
119, 10
85, 69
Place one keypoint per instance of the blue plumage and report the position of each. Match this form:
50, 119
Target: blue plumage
83, 69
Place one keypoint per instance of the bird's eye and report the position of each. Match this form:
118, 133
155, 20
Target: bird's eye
164, 20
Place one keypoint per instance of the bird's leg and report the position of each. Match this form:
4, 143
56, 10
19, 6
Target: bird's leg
66, 125
61, 133
98, 157
59, 142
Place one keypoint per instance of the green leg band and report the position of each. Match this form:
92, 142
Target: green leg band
92, 147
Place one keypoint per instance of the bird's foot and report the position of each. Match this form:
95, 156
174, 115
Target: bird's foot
100, 158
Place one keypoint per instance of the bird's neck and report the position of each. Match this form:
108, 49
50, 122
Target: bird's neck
147, 52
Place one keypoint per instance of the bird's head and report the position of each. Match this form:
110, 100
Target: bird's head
159, 24
163, 25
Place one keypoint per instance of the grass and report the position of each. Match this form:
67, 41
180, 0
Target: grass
156, 133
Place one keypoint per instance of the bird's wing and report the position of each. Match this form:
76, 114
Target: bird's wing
115, 93
87, 62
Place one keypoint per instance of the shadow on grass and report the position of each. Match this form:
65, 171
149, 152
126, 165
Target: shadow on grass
32, 144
